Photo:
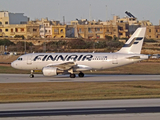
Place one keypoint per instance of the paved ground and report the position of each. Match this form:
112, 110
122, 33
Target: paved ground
81, 104
86, 104
146, 116
23, 78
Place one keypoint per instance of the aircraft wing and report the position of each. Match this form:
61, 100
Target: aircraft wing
63, 66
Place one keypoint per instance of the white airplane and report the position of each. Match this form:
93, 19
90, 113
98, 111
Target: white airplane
53, 64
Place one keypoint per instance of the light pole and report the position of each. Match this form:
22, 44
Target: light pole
25, 47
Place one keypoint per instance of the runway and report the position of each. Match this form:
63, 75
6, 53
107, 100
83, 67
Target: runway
80, 108
24, 78
66, 112
87, 110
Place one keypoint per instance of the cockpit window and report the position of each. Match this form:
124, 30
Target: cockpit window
19, 59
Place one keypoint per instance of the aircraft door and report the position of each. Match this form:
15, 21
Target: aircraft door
29, 59
115, 59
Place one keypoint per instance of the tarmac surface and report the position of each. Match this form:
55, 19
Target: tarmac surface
87, 110
100, 109
24, 78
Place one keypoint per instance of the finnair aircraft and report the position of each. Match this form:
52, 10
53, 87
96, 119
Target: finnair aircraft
53, 64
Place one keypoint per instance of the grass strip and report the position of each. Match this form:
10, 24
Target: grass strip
137, 68
73, 91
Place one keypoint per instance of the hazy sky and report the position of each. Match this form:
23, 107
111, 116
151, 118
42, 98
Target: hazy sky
72, 9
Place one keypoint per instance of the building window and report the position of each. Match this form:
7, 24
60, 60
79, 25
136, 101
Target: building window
12, 30
16, 30
98, 29
120, 28
0, 23
61, 30
34, 30
98, 36
55, 30
120, 34
6, 30
0, 30
6, 23
89, 30
149, 30
22, 29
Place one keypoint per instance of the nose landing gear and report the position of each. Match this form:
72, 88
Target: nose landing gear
32, 75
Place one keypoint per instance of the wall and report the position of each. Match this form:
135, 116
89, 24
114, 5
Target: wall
17, 18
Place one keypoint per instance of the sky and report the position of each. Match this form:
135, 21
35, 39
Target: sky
84, 9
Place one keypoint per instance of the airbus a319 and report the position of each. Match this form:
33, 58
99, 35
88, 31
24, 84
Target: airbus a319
53, 64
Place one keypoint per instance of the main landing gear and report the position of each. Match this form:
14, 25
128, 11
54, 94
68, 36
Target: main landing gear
72, 75
32, 75
80, 75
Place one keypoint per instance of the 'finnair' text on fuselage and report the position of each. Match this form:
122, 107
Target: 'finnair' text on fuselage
63, 57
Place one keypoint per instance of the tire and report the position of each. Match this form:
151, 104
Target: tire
81, 74
72, 75
31, 76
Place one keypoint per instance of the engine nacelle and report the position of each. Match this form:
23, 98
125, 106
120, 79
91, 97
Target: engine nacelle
49, 71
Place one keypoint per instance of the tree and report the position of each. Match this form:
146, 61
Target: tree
6, 42
108, 37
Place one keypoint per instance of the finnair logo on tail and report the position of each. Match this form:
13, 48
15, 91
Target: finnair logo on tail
134, 41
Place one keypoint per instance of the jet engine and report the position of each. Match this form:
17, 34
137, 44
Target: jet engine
49, 71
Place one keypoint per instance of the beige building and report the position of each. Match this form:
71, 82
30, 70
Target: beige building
15, 24
58, 31
118, 27
153, 32
12, 30
33, 31
93, 29
26, 30
90, 31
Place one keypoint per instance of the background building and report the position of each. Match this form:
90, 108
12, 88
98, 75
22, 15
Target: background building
12, 18
16, 25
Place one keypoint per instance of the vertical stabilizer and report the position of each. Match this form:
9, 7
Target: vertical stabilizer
135, 42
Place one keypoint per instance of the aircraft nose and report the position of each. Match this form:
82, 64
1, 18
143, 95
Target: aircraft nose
13, 64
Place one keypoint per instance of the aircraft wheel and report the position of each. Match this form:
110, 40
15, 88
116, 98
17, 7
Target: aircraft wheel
31, 76
72, 75
81, 74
